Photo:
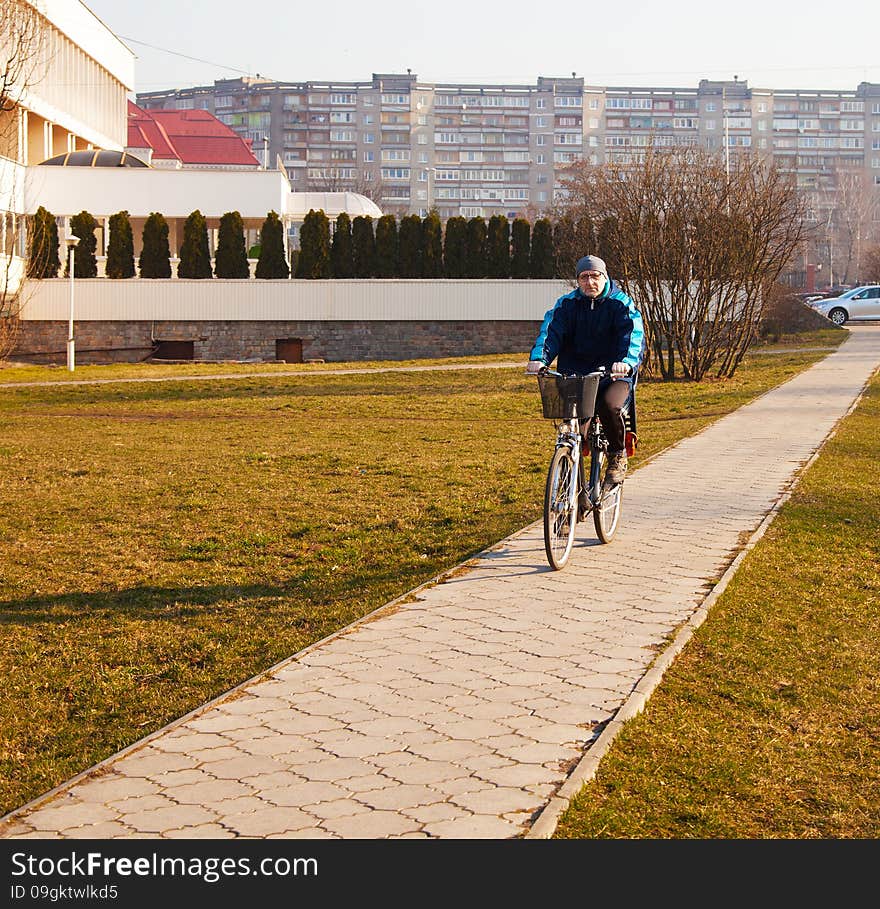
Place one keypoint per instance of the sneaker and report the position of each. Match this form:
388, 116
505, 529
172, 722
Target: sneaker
616, 471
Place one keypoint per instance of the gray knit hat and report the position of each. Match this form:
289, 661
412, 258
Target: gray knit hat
590, 263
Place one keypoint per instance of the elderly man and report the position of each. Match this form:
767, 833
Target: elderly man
596, 326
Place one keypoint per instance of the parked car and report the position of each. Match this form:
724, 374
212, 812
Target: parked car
855, 305
809, 298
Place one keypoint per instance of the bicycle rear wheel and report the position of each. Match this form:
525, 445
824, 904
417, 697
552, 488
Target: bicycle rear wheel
560, 512
606, 513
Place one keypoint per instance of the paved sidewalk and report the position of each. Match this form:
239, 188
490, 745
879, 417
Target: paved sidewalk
459, 712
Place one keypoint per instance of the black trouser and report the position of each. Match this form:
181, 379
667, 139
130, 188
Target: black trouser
610, 401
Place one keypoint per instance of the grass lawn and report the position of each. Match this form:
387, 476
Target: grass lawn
768, 723
162, 542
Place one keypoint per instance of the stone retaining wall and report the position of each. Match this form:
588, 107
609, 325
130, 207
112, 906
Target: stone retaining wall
130, 341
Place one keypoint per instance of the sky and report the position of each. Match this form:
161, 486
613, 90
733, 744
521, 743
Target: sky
810, 44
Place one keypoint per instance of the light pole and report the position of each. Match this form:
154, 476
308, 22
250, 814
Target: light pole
71, 242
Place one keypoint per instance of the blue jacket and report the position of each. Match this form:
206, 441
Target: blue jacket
585, 333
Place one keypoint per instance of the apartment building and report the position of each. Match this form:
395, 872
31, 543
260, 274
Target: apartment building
489, 149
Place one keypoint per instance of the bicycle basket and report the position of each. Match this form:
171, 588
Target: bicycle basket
561, 395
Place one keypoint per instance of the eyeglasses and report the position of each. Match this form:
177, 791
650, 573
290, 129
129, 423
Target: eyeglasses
586, 275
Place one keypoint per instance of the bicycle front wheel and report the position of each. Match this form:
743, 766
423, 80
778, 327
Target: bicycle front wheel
606, 514
560, 508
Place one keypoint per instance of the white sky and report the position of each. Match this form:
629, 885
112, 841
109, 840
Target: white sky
810, 44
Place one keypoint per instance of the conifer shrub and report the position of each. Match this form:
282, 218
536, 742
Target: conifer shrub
386, 247
341, 252
542, 260
195, 260
85, 262
432, 246
455, 248
410, 253
314, 246
230, 260
363, 247
155, 258
476, 265
272, 262
120, 247
498, 247
520, 242
43, 260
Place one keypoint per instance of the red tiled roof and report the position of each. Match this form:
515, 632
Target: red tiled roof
191, 136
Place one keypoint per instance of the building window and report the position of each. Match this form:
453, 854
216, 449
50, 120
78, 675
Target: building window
710, 124
711, 107
369, 156
369, 138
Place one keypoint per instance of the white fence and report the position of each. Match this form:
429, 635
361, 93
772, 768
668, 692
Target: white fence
134, 299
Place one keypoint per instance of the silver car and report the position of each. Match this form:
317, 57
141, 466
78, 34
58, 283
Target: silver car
855, 305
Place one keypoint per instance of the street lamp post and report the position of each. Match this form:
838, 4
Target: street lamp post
72, 242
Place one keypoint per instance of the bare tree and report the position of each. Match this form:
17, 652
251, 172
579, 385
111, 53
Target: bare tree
698, 249
22, 62
853, 205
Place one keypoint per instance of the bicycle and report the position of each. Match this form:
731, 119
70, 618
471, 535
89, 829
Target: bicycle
569, 496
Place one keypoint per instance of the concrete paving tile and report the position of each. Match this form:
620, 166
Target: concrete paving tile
339, 769
339, 808
107, 830
302, 724
172, 817
519, 775
269, 822
245, 804
423, 771
374, 825
347, 743
475, 827
200, 832
216, 756
140, 802
497, 800
439, 811
246, 766
307, 833
149, 761
216, 721
68, 813
282, 747
108, 788
538, 753
368, 782
209, 792
303, 793
396, 798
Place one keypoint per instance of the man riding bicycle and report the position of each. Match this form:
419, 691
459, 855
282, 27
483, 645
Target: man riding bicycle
596, 326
